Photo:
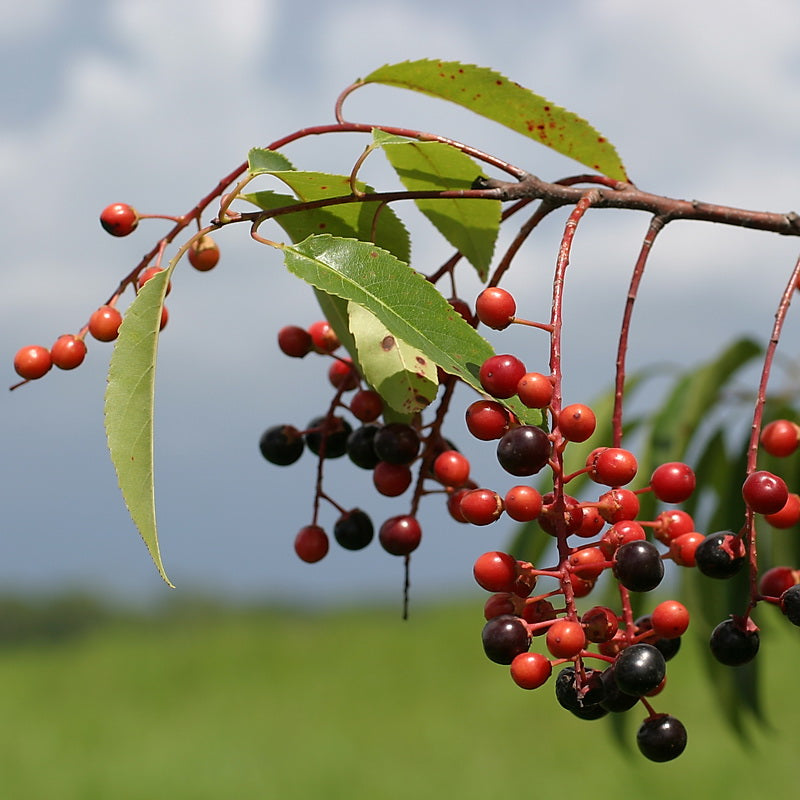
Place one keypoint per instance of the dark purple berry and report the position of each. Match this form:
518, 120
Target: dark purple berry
397, 443
505, 637
668, 647
639, 669
332, 431
524, 450
732, 645
614, 699
638, 566
720, 555
360, 446
354, 530
661, 738
281, 444
790, 604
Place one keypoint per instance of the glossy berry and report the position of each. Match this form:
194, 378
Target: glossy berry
790, 604
661, 738
500, 374
576, 422
281, 445
524, 450
32, 362
560, 518
311, 543
612, 466
788, 516
523, 503
720, 555
764, 492
588, 562
621, 533
530, 670
579, 699
639, 669
495, 571
366, 405
618, 505
400, 535
354, 530
504, 638
614, 699
673, 482
481, 506
565, 638
391, 480
669, 619
498, 604
780, 438
732, 645
204, 254
495, 308
454, 503
104, 323
682, 548
323, 336
68, 351
119, 219
638, 566
487, 419
360, 449
343, 375
451, 468
775, 581
672, 523
397, 443
535, 390
328, 436
295, 341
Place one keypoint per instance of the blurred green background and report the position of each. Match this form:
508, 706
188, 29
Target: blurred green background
200, 700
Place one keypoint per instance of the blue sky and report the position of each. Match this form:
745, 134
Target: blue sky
150, 103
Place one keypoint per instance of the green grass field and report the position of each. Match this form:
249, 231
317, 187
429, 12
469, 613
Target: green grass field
258, 704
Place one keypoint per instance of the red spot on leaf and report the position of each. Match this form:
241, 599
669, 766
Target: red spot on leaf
388, 343
601, 139
421, 360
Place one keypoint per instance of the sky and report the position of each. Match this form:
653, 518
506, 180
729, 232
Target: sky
150, 103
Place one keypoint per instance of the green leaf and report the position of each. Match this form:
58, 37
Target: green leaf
492, 95
129, 409
408, 305
403, 375
261, 161
471, 226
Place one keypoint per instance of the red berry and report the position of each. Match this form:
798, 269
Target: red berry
774, 582
591, 523
311, 543
451, 468
588, 562
391, 480
536, 611
500, 374
600, 624
780, 438
788, 516
523, 503
400, 535
323, 336
560, 519
366, 405
295, 341
621, 533
119, 219
764, 492
612, 466
68, 351
565, 638
617, 505
462, 308
495, 571
576, 422
32, 362
498, 604
682, 548
204, 254
495, 308
530, 670
487, 419
672, 523
148, 273
454, 504
535, 390
164, 318
481, 506
669, 619
343, 375
673, 482
104, 323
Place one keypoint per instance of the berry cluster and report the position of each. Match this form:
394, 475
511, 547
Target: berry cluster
69, 350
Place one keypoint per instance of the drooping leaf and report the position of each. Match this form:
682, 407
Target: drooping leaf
408, 305
403, 375
492, 95
129, 406
471, 226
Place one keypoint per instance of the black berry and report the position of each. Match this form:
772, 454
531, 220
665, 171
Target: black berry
733, 645
360, 449
397, 443
720, 555
639, 669
281, 445
523, 450
661, 738
504, 637
354, 530
333, 431
638, 566
790, 604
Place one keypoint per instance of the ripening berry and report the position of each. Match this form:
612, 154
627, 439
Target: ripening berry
119, 219
32, 362
780, 437
499, 375
487, 419
104, 323
311, 544
788, 516
495, 308
366, 405
68, 351
323, 336
400, 535
295, 341
535, 390
481, 506
523, 503
673, 482
612, 466
764, 492
669, 619
204, 254
530, 670
495, 571
451, 468
565, 638
343, 375
576, 422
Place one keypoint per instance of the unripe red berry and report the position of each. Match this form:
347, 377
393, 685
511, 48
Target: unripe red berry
612, 466
523, 503
764, 492
565, 638
499, 375
68, 351
148, 273
451, 468
32, 362
104, 323
323, 336
682, 548
588, 562
530, 670
487, 419
788, 516
673, 482
495, 571
669, 619
535, 390
119, 219
295, 341
780, 437
366, 405
495, 308
481, 506
576, 422
311, 543
343, 375
775, 581
204, 254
